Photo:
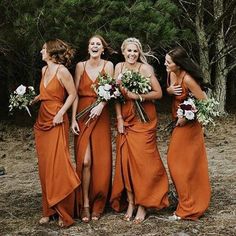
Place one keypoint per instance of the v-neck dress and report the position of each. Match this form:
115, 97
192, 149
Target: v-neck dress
187, 162
98, 134
139, 168
57, 175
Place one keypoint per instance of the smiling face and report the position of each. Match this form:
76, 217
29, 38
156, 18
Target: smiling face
170, 65
95, 47
45, 55
131, 53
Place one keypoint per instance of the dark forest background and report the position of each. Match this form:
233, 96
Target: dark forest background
205, 28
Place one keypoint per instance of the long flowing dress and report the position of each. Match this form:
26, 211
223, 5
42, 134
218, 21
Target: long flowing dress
97, 133
57, 174
187, 162
139, 168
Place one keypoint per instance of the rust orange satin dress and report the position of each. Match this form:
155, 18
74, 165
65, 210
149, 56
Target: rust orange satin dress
139, 168
98, 133
187, 162
57, 175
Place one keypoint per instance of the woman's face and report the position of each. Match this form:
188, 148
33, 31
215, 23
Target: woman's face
45, 55
131, 53
170, 65
95, 47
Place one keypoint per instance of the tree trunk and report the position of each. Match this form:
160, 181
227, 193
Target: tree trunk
203, 43
220, 66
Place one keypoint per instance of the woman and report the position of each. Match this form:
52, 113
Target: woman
186, 156
57, 175
93, 138
140, 178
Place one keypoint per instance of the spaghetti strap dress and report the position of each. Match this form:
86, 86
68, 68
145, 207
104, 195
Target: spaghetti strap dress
187, 162
97, 132
139, 168
57, 174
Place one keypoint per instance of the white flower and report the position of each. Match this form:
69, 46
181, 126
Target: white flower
180, 112
107, 87
31, 88
117, 93
189, 115
21, 90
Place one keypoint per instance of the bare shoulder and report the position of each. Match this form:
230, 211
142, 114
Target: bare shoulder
118, 66
147, 70
43, 69
109, 64
188, 80
63, 72
80, 65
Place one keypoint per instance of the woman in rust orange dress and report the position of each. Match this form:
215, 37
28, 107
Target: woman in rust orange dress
140, 178
57, 175
93, 139
187, 160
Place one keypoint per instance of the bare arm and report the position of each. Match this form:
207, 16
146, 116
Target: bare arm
66, 80
78, 73
194, 88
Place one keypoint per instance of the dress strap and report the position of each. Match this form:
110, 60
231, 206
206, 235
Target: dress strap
57, 69
105, 62
45, 71
139, 67
122, 65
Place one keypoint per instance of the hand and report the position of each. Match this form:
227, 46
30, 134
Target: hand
175, 89
35, 100
97, 110
120, 126
75, 127
58, 119
131, 95
181, 121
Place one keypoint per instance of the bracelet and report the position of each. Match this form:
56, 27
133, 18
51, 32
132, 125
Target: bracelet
140, 97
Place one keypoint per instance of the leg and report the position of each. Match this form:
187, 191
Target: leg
129, 212
85, 215
140, 216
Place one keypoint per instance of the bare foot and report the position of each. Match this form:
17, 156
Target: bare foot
44, 220
60, 222
129, 212
140, 216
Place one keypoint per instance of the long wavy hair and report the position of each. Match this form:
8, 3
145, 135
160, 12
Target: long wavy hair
59, 51
181, 58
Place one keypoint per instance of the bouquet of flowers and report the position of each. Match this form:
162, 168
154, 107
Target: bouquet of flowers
106, 89
136, 83
21, 98
202, 110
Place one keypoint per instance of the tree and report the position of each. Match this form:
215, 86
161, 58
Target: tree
214, 24
25, 25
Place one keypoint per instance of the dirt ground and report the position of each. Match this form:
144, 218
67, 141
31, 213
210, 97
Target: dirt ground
20, 193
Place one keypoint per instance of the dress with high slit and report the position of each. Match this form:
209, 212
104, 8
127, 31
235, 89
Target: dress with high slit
97, 133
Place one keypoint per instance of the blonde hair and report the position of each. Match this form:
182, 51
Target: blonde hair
59, 51
142, 55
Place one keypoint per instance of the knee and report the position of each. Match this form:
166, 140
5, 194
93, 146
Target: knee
87, 164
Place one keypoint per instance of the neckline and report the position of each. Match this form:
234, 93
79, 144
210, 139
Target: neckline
50, 80
135, 69
94, 80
